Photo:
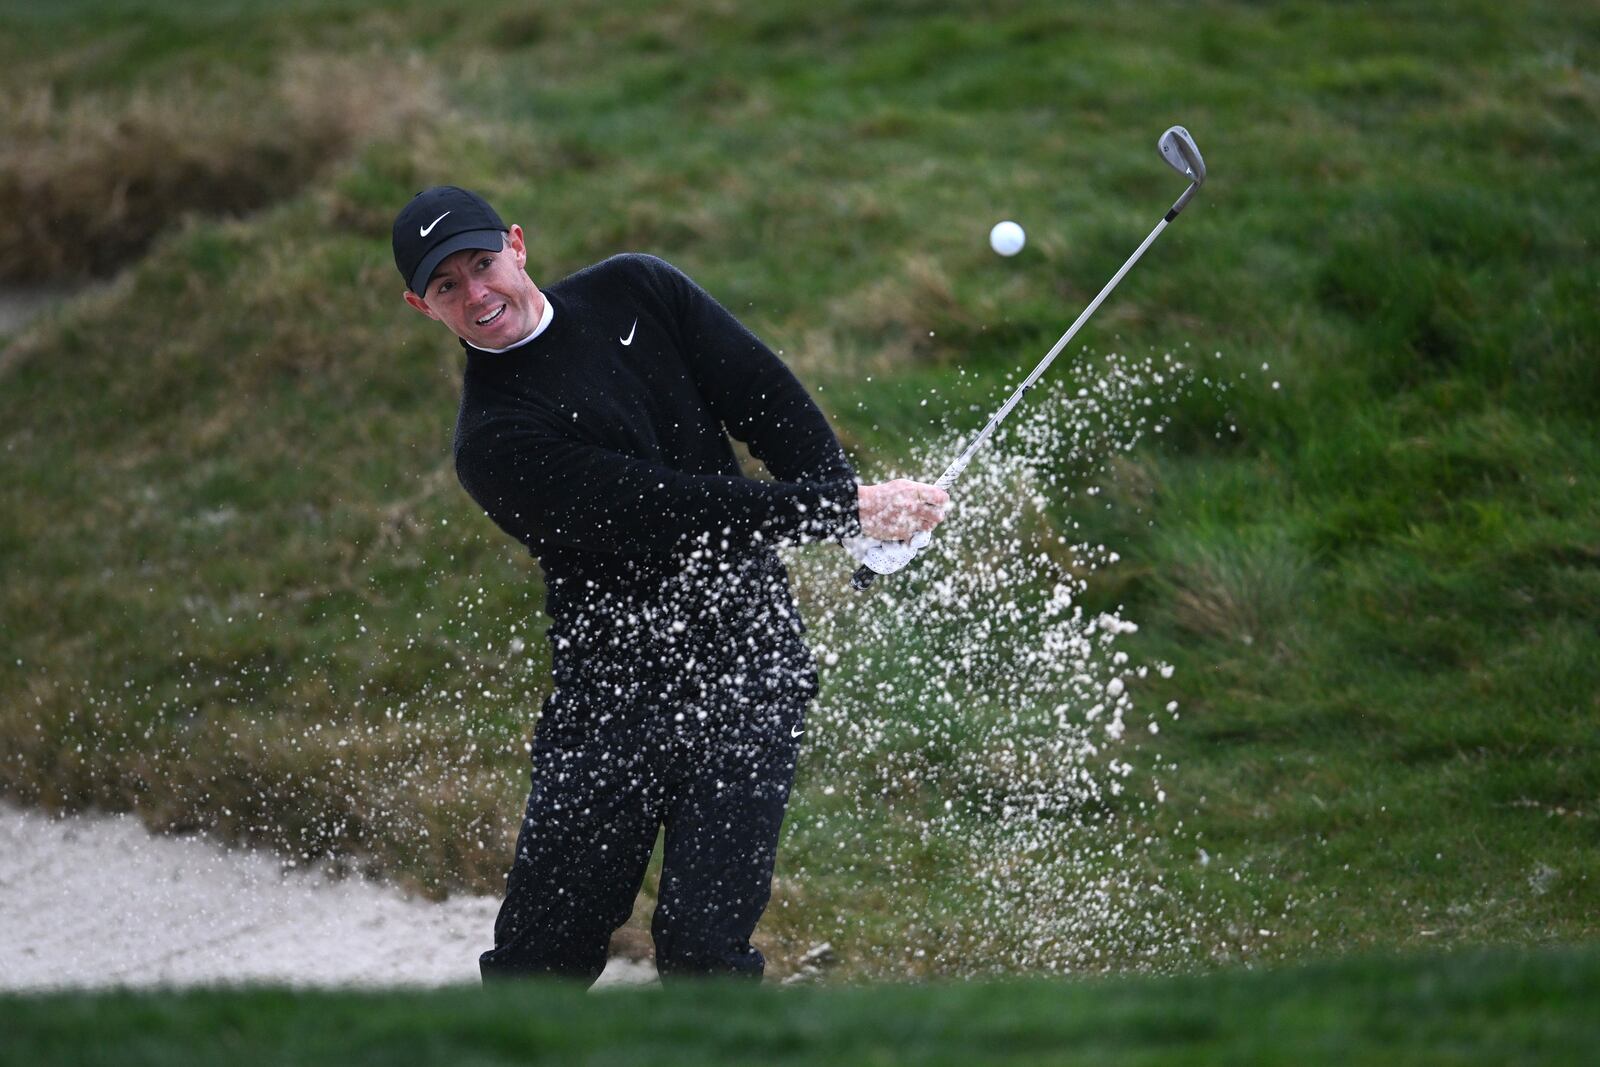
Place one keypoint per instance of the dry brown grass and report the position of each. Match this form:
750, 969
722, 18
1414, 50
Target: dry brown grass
89, 183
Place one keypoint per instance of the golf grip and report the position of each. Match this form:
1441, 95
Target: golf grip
862, 577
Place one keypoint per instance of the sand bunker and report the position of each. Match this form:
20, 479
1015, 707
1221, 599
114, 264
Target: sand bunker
100, 901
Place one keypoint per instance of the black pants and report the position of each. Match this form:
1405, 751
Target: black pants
709, 754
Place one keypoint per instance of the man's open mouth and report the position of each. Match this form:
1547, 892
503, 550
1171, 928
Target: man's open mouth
487, 319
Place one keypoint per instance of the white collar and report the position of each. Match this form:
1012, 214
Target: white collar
544, 324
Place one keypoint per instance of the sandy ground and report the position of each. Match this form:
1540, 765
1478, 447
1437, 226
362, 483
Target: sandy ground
100, 901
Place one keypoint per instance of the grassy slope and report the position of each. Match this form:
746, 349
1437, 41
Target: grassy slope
1469, 1008
232, 549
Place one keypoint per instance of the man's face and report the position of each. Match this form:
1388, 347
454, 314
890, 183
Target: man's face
485, 298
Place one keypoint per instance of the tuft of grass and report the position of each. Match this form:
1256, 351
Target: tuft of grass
1231, 586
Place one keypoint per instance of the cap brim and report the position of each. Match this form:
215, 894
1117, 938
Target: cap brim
488, 240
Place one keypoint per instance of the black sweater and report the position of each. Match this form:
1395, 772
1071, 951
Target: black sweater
611, 461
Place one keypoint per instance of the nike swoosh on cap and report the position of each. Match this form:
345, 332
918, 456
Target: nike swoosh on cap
429, 227
628, 340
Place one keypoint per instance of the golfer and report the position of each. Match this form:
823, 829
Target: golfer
594, 428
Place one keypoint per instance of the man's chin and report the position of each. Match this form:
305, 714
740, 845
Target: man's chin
498, 334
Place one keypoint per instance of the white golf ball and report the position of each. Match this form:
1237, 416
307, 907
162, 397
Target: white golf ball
1007, 238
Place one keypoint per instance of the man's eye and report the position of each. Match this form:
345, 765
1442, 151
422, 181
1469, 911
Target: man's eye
483, 263
445, 287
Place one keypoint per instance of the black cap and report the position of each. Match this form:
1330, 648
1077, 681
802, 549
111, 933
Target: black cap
438, 222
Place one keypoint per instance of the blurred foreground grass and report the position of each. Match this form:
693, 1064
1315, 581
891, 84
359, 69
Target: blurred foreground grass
242, 592
1475, 1007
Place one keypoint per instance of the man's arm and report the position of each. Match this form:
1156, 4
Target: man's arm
540, 486
764, 405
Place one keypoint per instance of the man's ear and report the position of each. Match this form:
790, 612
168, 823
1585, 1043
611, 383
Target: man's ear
517, 245
421, 305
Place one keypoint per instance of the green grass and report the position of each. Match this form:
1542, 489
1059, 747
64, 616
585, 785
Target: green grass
1480, 1007
240, 590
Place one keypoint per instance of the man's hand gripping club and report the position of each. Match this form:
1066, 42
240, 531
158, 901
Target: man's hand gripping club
897, 520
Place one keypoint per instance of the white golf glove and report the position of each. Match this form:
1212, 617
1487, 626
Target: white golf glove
886, 557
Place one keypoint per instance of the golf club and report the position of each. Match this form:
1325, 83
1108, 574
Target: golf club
1179, 150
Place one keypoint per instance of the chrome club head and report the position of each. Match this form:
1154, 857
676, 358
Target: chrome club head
1182, 155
